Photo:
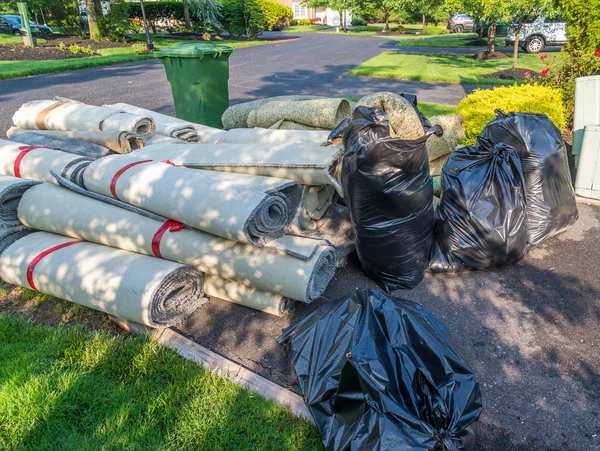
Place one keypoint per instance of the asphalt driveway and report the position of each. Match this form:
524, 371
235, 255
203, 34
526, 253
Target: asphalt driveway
312, 64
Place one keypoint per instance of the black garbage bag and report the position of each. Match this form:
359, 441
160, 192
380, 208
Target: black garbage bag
382, 373
481, 220
551, 204
389, 193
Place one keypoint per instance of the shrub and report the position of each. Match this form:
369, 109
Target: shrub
358, 22
398, 29
478, 108
252, 17
208, 13
116, 24
158, 14
301, 22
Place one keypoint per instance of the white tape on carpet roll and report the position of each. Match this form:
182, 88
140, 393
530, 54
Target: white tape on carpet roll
35, 163
147, 290
307, 163
71, 115
235, 292
65, 212
268, 136
200, 199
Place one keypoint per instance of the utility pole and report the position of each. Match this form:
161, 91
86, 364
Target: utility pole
149, 44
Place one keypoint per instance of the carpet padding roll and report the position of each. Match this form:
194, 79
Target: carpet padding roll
307, 163
268, 136
72, 115
35, 163
303, 277
116, 141
147, 290
11, 191
199, 199
318, 113
69, 145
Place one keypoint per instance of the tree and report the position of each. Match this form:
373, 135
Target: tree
93, 9
186, 15
337, 5
520, 10
424, 7
208, 13
386, 7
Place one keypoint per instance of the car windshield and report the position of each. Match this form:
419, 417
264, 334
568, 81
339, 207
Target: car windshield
13, 20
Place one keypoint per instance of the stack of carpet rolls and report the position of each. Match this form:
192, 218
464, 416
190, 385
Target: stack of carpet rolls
145, 216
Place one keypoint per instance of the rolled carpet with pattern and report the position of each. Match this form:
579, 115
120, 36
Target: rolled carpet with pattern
200, 199
147, 290
307, 163
303, 277
35, 163
72, 115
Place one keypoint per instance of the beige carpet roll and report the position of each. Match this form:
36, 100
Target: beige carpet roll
69, 115
454, 134
236, 116
404, 119
436, 166
307, 163
269, 136
199, 199
319, 113
116, 141
302, 277
35, 163
147, 290
235, 292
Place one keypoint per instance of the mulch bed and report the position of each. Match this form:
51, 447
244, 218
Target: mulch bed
392, 33
511, 74
50, 50
476, 43
485, 55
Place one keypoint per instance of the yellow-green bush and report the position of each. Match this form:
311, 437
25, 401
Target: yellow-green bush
478, 108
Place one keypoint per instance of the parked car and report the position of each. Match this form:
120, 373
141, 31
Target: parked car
483, 26
12, 24
460, 22
538, 32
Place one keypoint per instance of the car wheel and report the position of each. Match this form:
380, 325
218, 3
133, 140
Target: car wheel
535, 44
16, 33
458, 29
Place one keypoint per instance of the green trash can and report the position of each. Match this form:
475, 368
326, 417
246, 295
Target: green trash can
199, 75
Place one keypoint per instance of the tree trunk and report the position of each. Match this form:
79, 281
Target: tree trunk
341, 13
492, 35
186, 16
94, 13
516, 48
424, 24
386, 16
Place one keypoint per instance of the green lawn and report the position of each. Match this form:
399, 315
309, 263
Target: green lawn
14, 69
371, 30
11, 39
305, 28
71, 389
451, 40
435, 109
441, 68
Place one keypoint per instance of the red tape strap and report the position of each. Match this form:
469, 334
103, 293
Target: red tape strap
119, 173
24, 151
38, 257
172, 226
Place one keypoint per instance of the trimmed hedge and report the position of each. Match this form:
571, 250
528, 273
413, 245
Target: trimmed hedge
252, 17
358, 22
478, 108
302, 22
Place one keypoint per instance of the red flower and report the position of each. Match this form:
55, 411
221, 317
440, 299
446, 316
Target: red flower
527, 74
543, 57
545, 71
597, 53
569, 70
554, 56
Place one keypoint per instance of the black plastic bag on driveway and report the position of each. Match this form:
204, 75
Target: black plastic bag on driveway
551, 204
389, 193
380, 373
481, 220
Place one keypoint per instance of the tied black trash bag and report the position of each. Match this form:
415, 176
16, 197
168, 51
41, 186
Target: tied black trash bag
551, 204
389, 193
481, 220
382, 373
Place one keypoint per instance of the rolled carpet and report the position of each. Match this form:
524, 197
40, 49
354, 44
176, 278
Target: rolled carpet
268, 136
302, 277
404, 119
454, 134
69, 145
235, 292
35, 163
11, 192
307, 163
236, 116
200, 199
72, 115
147, 290
320, 113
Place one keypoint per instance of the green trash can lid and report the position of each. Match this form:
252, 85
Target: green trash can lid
195, 51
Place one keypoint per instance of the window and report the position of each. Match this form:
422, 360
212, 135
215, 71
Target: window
300, 11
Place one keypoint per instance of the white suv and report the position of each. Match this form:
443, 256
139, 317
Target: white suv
536, 33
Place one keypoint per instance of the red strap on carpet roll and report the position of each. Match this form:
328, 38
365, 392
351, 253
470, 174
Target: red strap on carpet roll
38, 257
24, 150
119, 173
172, 226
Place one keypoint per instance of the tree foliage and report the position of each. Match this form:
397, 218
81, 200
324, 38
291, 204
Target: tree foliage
208, 13
583, 24
252, 17
337, 5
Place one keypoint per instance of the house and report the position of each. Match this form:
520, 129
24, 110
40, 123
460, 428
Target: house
326, 16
